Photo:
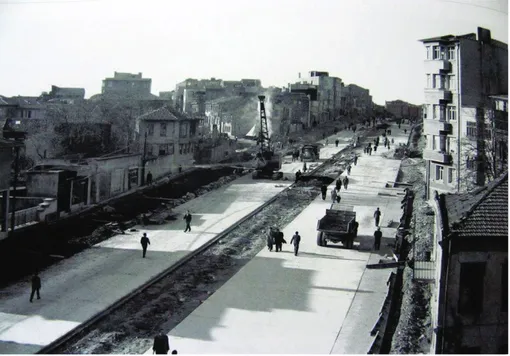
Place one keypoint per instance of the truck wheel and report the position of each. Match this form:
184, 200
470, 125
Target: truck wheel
319, 239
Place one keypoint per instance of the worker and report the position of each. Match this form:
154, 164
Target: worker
337, 142
356, 160
304, 167
377, 216
279, 240
298, 175
270, 239
349, 169
36, 286
187, 217
144, 241
324, 190
338, 184
161, 344
296, 239
333, 195
346, 182
377, 239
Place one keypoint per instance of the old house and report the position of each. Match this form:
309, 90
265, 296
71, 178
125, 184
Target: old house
167, 140
470, 301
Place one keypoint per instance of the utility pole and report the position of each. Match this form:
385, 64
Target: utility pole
144, 158
15, 183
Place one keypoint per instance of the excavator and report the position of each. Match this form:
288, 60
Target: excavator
268, 163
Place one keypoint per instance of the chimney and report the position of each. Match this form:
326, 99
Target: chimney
299, 74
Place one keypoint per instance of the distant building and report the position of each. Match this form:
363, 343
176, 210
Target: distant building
461, 73
470, 294
358, 101
291, 111
64, 95
497, 116
127, 84
403, 110
22, 112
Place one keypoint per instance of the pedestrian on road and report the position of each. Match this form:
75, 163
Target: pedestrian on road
349, 169
187, 217
149, 178
298, 175
375, 148
377, 216
296, 239
338, 184
305, 168
144, 241
346, 182
370, 151
270, 239
405, 131
356, 160
36, 286
324, 190
337, 142
333, 195
161, 345
392, 141
279, 240
377, 239
388, 146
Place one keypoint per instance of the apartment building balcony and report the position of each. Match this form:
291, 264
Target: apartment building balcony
436, 127
437, 156
433, 96
437, 66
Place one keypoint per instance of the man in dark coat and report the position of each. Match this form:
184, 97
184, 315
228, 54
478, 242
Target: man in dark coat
187, 217
144, 241
355, 160
324, 191
346, 182
298, 175
349, 167
149, 178
338, 184
36, 286
296, 239
279, 240
377, 239
161, 345
377, 216
337, 142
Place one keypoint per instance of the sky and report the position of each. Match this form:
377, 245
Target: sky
370, 43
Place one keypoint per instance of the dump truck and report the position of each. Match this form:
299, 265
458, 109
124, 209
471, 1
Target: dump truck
310, 153
338, 225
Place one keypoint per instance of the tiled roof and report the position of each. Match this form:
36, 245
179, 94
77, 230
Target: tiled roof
481, 213
163, 114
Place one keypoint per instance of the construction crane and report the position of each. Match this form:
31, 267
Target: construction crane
268, 163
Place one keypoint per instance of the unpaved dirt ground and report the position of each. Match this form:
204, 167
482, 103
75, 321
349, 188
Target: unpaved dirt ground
413, 333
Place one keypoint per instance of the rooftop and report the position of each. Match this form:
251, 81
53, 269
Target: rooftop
164, 114
480, 213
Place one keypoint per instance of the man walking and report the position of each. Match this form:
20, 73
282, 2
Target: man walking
187, 217
346, 182
161, 345
296, 239
279, 240
356, 160
324, 191
333, 195
377, 216
349, 169
377, 239
298, 175
337, 142
270, 239
144, 241
36, 286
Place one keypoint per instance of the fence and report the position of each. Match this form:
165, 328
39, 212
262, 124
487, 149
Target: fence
24, 216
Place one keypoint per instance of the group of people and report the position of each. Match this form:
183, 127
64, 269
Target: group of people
275, 238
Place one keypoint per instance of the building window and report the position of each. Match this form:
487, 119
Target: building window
150, 129
471, 129
436, 112
429, 81
471, 285
29, 114
429, 56
504, 286
434, 142
450, 175
170, 150
162, 130
451, 53
451, 82
183, 129
435, 81
181, 147
444, 53
436, 52
470, 163
163, 149
452, 114
439, 173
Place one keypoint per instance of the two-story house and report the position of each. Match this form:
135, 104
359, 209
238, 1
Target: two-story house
167, 140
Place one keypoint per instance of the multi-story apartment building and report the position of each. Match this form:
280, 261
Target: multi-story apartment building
127, 84
325, 95
291, 111
461, 73
357, 102
64, 95
22, 109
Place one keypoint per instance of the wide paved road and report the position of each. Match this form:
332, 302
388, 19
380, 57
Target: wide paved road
76, 289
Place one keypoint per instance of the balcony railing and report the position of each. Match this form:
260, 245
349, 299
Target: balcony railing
437, 95
437, 127
437, 156
24, 216
437, 66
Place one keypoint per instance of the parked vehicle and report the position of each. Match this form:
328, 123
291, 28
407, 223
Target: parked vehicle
310, 153
337, 226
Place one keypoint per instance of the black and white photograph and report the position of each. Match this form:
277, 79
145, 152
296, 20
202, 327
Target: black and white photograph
254, 177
